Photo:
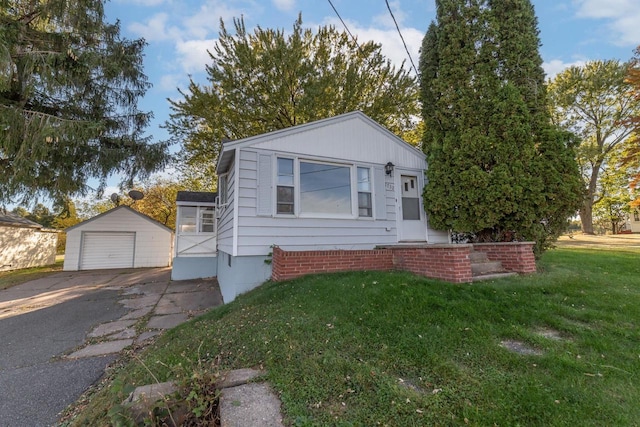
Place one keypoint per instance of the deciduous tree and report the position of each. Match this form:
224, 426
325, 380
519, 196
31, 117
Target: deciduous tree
632, 153
594, 102
497, 169
69, 86
159, 201
267, 79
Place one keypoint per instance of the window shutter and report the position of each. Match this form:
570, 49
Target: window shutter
264, 202
379, 193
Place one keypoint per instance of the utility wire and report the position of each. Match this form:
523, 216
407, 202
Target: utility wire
345, 26
401, 37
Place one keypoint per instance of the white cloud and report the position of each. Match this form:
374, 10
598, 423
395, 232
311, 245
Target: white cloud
623, 17
155, 29
556, 66
207, 19
284, 5
192, 54
169, 82
385, 19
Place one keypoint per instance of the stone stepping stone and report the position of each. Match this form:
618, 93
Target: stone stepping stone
127, 333
137, 314
253, 404
110, 328
101, 349
167, 322
146, 335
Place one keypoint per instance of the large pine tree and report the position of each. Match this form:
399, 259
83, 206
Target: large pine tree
69, 86
498, 170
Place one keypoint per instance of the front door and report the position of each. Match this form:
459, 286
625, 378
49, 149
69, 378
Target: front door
412, 227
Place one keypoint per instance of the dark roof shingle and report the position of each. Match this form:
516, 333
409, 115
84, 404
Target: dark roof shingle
196, 196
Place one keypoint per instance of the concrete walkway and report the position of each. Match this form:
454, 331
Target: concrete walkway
60, 332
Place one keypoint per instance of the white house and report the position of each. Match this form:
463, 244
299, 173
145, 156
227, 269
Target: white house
118, 238
339, 183
24, 243
633, 221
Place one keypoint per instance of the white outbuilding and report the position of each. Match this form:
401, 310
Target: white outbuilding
118, 238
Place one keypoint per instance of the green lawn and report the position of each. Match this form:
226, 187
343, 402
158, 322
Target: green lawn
16, 277
400, 350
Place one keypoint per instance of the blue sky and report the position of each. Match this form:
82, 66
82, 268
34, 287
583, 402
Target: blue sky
179, 33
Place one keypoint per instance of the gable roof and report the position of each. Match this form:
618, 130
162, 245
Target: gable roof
110, 211
228, 148
10, 219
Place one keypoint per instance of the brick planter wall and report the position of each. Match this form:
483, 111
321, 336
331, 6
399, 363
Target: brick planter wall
288, 265
445, 262
515, 256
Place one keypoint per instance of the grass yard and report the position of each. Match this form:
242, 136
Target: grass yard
16, 277
394, 349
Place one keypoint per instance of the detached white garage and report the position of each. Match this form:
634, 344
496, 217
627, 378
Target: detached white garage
119, 238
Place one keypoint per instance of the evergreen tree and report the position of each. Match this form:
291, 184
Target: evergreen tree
497, 169
69, 86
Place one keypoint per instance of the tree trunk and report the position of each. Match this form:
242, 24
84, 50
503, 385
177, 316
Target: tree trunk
586, 211
586, 216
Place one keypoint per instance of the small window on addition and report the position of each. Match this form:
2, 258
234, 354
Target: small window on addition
207, 220
636, 215
188, 219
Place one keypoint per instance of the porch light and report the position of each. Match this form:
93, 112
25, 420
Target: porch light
388, 168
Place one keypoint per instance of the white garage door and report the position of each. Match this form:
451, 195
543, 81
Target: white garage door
107, 250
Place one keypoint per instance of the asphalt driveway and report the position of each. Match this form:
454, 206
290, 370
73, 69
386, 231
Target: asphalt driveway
46, 362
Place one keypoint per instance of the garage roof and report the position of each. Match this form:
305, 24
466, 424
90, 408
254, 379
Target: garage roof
141, 215
10, 219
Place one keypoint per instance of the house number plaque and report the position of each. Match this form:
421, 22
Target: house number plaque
389, 186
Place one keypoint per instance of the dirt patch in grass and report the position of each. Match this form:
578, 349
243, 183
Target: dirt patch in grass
586, 241
551, 334
520, 348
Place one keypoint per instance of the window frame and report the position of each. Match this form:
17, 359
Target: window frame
353, 182
200, 210
370, 192
223, 190
294, 186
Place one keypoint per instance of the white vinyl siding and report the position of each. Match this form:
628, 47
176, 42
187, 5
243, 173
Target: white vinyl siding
257, 233
351, 139
107, 250
26, 247
226, 213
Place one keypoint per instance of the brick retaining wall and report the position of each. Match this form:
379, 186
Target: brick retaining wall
288, 265
445, 262
515, 256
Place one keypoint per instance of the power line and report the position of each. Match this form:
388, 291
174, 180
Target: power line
345, 26
401, 37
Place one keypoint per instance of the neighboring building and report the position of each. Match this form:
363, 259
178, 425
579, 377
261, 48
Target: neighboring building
340, 183
118, 238
24, 243
195, 243
633, 221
